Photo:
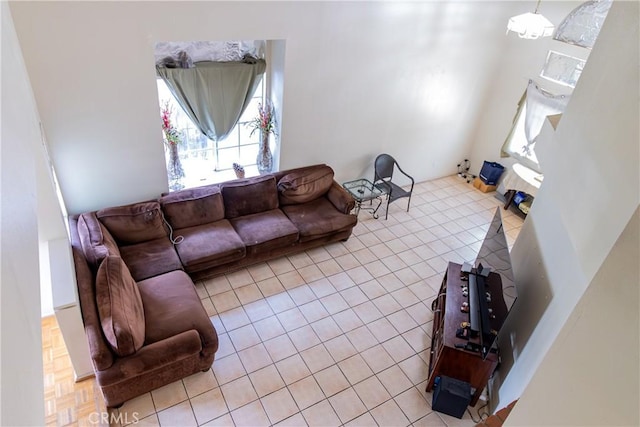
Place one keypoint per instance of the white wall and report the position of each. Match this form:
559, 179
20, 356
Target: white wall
360, 78
590, 192
590, 374
22, 397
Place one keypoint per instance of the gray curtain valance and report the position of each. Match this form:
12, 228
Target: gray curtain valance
214, 94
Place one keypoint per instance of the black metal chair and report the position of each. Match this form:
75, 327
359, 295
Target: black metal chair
384, 167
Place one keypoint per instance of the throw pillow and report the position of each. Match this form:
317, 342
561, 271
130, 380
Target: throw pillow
119, 307
305, 186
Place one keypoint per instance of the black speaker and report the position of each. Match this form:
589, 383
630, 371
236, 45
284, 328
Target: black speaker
451, 396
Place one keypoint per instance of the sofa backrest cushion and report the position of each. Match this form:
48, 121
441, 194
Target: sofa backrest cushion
136, 223
197, 206
249, 196
119, 307
97, 243
302, 186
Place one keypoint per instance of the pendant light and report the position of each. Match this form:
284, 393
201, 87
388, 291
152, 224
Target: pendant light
530, 25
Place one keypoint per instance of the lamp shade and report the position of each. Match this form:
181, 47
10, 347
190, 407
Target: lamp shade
530, 25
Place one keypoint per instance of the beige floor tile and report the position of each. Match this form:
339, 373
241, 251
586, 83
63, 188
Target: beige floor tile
431, 420
239, 278
294, 279
340, 348
258, 310
281, 302
372, 289
228, 369
296, 420
268, 328
248, 293
223, 421
238, 393
270, 286
367, 312
326, 329
300, 260
291, 319
149, 421
364, 256
141, 406
394, 380
235, 318
386, 304
405, 297
208, 306
292, 369
372, 392
280, 348
336, 249
354, 296
361, 338
279, 405
329, 267
225, 346
318, 254
260, 272
256, 357
364, 420
390, 282
334, 303
347, 320
209, 405
359, 275
266, 380
355, 369
225, 301
418, 339
398, 349
169, 395
302, 294
199, 383
322, 287
177, 415
415, 369
321, 415
420, 312
317, 358
244, 337
341, 281
382, 329
402, 321
413, 404
389, 414
308, 274
306, 392
314, 311
331, 380
347, 261
377, 358
376, 268
304, 338
347, 405
217, 285
251, 415
280, 265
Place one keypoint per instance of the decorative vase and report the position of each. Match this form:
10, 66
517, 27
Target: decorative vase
174, 169
264, 160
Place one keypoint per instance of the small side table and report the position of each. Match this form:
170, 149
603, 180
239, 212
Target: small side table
363, 190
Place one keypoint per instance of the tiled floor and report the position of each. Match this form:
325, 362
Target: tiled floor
337, 335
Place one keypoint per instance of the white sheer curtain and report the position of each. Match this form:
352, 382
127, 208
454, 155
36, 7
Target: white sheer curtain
540, 104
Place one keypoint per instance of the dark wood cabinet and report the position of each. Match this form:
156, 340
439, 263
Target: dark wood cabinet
447, 359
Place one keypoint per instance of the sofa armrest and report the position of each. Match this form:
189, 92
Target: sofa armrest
340, 198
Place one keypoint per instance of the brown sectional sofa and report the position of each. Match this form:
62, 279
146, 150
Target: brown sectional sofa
135, 267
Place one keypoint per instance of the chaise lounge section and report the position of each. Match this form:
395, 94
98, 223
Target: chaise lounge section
136, 266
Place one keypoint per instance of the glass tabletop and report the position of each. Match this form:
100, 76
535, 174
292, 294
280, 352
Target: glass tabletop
362, 189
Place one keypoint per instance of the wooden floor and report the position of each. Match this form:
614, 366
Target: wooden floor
67, 402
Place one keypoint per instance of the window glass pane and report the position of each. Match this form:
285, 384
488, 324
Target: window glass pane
562, 69
231, 140
248, 154
227, 157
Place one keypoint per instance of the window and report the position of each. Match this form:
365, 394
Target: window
518, 146
203, 159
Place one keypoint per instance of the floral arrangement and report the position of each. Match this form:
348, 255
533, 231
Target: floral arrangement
265, 122
171, 134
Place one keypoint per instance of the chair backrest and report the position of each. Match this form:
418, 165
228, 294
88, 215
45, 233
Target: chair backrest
383, 167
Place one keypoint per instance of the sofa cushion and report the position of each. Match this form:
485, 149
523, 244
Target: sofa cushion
133, 223
197, 206
264, 231
148, 259
97, 243
119, 307
249, 196
209, 245
172, 306
318, 218
302, 186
